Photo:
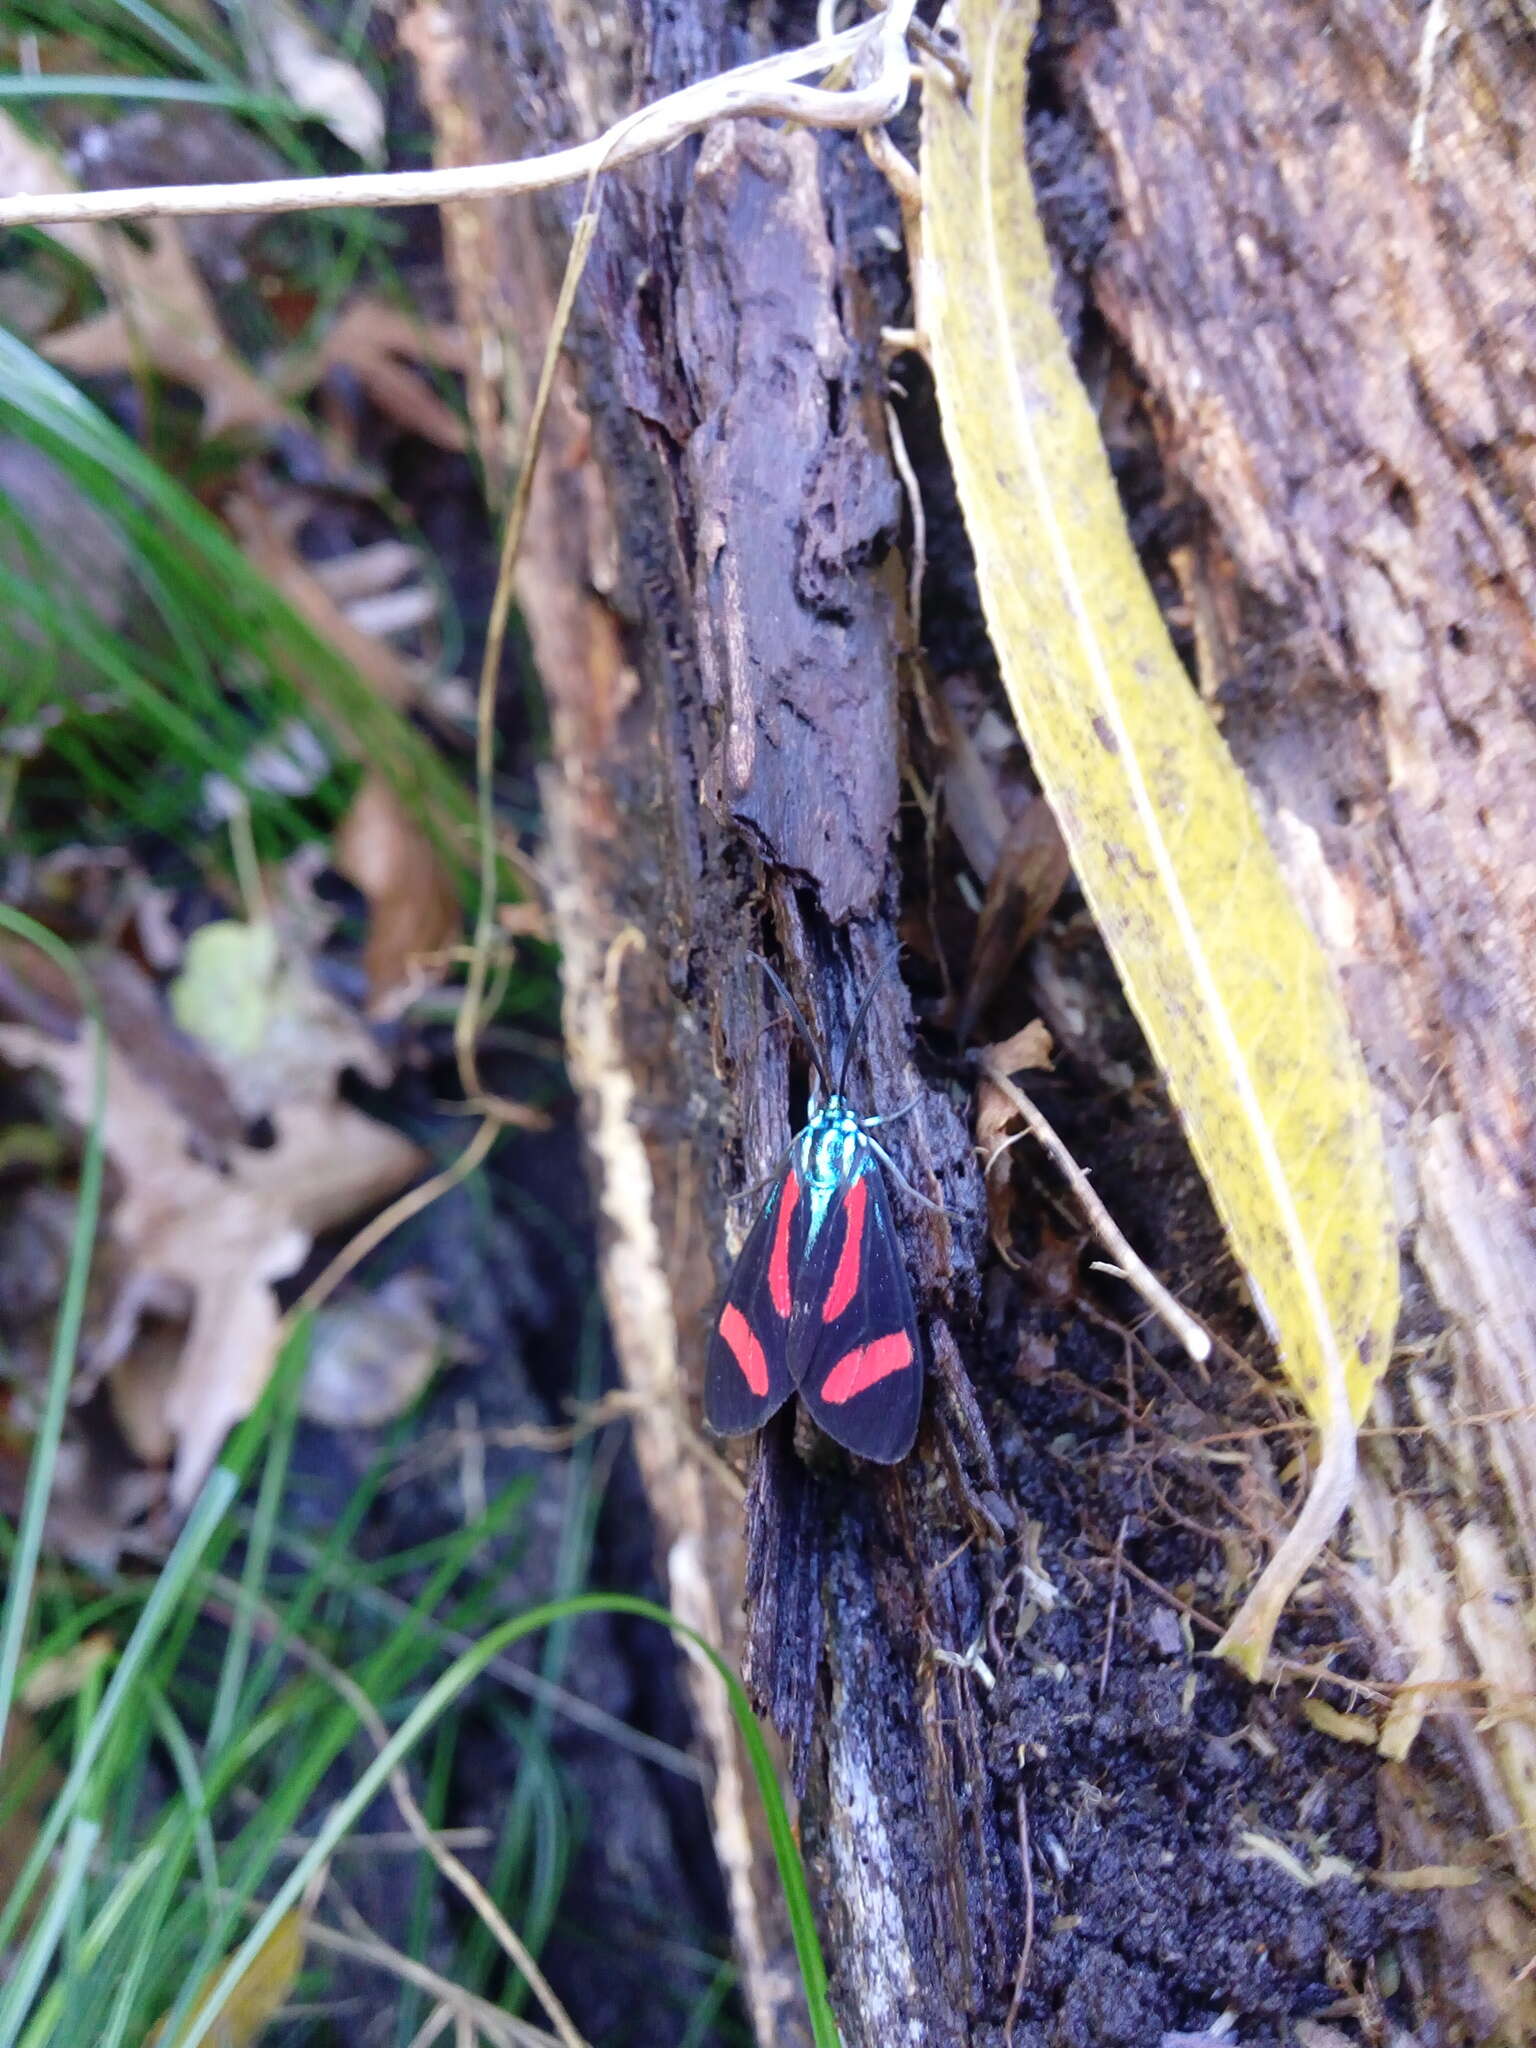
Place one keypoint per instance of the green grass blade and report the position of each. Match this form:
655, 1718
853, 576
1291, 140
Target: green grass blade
66, 1336
194, 1792
238, 99
31, 1966
139, 1963
440, 1696
258, 1555
209, 1509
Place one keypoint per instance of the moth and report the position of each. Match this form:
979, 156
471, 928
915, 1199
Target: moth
819, 1302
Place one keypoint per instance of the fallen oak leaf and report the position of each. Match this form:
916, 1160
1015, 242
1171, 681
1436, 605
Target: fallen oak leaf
34, 990
315, 78
1022, 891
223, 1236
367, 572
29, 167
163, 317
142, 1369
96, 1495
67, 1672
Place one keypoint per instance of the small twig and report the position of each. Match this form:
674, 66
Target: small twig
471, 1446
906, 183
1176, 1601
1021, 1977
1114, 1603
764, 88
1131, 1268
445, 1445
436, 2024
923, 38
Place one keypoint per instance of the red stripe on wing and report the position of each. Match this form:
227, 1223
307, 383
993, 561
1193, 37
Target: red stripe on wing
778, 1265
845, 1281
862, 1368
745, 1349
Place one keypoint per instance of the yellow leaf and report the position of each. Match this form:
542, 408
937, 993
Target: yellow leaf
260, 1992
223, 993
1228, 983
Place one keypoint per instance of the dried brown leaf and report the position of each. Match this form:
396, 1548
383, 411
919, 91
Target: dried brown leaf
162, 317
268, 543
277, 1037
997, 1121
61, 1676
27, 166
413, 907
1030, 873
370, 1355
259, 1993
316, 79
378, 344
224, 1236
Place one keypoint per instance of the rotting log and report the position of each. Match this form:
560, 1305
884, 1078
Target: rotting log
722, 673
1324, 267
1317, 252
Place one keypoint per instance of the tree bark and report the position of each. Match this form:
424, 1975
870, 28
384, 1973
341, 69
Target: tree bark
1021, 1800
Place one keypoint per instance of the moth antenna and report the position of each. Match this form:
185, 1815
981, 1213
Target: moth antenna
862, 1012
798, 1015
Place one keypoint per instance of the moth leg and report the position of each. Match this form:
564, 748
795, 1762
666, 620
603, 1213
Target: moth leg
890, 1117
927, 1200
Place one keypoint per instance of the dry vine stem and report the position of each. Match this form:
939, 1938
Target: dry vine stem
765, 87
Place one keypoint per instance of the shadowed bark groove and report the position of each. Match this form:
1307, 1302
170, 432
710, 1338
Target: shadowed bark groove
1028, 1806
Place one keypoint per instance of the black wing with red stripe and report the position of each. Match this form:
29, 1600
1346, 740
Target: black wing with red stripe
746, 1376
854, 1350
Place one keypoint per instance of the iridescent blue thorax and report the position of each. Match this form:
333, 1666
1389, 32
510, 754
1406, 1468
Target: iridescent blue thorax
827, 1155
